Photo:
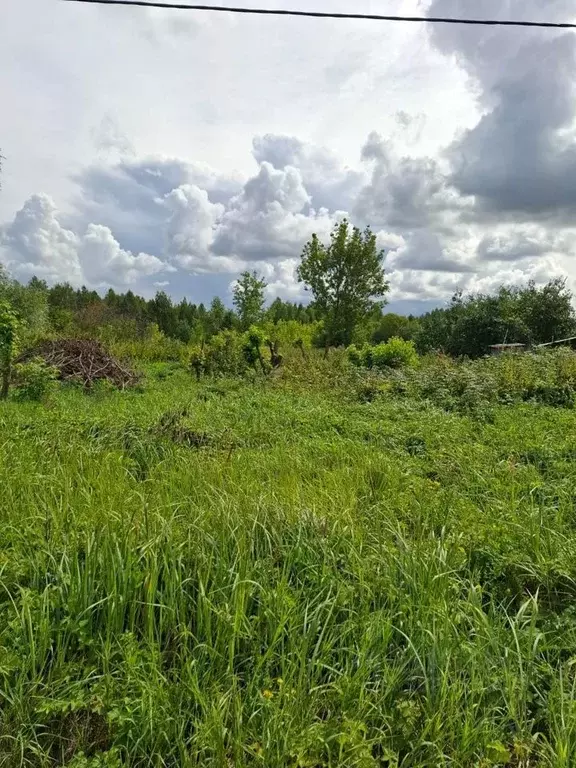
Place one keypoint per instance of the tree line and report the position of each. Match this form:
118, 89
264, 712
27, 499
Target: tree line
346, 280
75, 311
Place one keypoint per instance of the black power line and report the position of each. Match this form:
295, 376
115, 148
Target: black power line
330, 15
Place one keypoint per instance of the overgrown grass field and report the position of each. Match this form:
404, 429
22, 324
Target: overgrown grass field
227, 573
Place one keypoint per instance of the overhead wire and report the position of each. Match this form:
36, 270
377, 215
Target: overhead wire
333, 15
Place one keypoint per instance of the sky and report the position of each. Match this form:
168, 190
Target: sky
151, 149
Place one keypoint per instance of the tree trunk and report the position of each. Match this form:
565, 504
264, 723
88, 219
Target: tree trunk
275, 357
300, 345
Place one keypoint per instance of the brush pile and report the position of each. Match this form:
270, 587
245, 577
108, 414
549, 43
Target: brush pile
81, 360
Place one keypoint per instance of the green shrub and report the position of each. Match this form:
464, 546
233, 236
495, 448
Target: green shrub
34, 380
230, 353
155, 347
355, 356
224, 355
289, 333
395, 353
559, 396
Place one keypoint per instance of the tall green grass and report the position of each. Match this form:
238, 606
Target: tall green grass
249, 574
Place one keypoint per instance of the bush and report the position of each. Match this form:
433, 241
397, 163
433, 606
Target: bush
396, 353
230, 353
356, 356
154, 347
290, 333
34, 380
224, 355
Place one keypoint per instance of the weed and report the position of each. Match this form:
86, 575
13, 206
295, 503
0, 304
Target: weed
268, 572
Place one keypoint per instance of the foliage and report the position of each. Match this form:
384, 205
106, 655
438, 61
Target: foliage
476, 386
130, 323
232, 354
30, 305
254, 340
219, 318
400, 592
345, 277
471, 324
152, 347
224, 355
357, 355
548, 311
290, 333
9, 327
284, 311
34, 380
119, 317
390, 325
395, 353
248, 298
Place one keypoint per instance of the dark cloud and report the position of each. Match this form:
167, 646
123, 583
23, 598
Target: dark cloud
426, 252
404, 193
520, 159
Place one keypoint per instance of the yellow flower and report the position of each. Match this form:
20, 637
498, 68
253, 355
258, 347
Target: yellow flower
268, 694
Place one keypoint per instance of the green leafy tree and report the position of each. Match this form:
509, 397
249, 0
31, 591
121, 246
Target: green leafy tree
8, 340
62, 296
471, 324
346, 279
216, 316
547, 311
161, 312
182, 331
249, 299
391, 326
29, 303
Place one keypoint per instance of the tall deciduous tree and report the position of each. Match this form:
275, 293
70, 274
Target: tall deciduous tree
346, 279
249, 298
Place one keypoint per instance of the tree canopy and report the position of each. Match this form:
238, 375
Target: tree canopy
346, 278
249, 298
472, 323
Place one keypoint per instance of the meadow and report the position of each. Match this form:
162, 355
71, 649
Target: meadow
323, 567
